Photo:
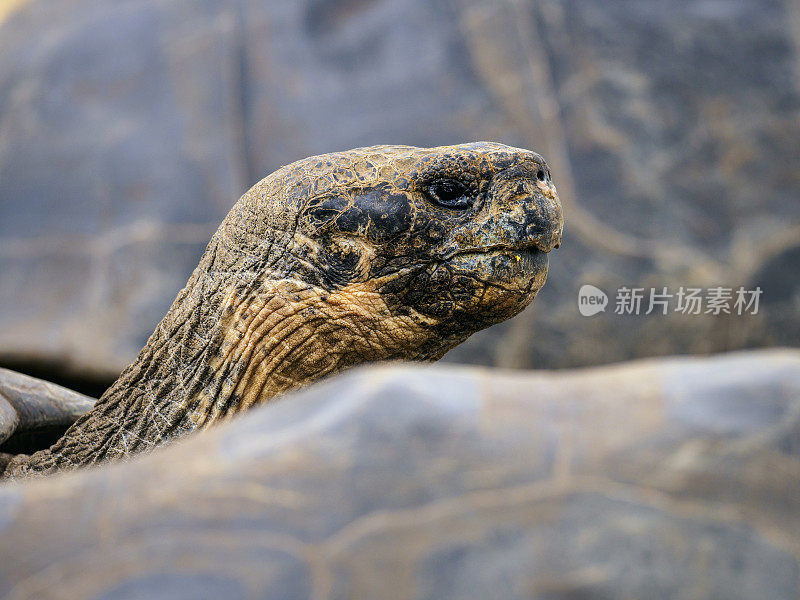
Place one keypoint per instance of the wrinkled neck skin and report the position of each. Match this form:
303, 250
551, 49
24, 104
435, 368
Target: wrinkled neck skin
233, 339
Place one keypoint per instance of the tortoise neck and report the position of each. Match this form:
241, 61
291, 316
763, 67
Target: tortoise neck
227, 344
149, 402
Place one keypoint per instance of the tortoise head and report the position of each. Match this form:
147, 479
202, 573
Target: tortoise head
377, 253
450, 239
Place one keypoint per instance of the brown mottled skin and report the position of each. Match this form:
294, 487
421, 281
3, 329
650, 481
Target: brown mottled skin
388, 252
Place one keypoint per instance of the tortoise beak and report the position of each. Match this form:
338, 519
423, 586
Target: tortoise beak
531, 210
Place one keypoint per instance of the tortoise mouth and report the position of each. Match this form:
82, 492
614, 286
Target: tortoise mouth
514, 254
530, 246
504, 280
508, 267
516, 251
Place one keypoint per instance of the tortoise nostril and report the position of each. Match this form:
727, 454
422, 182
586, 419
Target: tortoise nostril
540, 175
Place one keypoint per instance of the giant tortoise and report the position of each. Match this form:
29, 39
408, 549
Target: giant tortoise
379, 253
668, 479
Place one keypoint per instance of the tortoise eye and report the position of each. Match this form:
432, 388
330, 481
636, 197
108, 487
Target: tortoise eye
450, 193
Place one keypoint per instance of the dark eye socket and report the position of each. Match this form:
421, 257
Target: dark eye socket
450, 193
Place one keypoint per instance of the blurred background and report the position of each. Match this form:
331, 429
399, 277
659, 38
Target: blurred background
129, 128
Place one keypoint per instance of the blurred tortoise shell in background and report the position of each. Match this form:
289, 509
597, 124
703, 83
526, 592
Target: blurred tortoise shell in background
127, 130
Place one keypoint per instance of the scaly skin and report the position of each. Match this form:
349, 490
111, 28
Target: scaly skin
389, 252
